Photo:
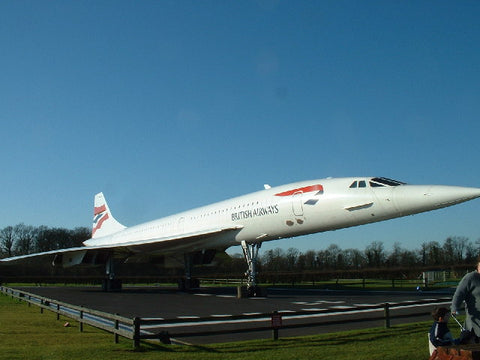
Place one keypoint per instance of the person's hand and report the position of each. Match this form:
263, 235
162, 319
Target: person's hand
464, 337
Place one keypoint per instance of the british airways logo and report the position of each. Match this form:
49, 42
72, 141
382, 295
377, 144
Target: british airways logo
100, 215
318, 189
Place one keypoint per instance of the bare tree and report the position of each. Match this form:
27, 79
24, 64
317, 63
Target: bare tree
291, 258
43, 241
395, 257
307, 260
471, 254
7, 240
375, 254
79, 235
460, 246
25, 235
334, 256
432, 254
354, 258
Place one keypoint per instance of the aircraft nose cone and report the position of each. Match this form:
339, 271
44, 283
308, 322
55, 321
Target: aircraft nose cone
411, 199
450, 195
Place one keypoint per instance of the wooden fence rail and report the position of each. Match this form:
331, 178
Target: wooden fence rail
116, 324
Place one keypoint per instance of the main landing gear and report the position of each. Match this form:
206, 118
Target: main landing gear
188, 282
250, 252
111, 283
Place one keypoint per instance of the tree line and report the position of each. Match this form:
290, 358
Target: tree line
454, 251
24, 239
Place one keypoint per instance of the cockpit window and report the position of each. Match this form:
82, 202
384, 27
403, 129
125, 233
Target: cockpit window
358, 184
381, 181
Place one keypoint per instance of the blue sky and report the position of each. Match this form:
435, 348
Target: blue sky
169, 105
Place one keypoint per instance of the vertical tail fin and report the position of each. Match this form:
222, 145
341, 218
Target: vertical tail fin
103, 222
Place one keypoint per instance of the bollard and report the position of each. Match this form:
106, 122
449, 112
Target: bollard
275, 334
276, 324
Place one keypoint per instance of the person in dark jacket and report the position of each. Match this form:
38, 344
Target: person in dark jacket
440, 334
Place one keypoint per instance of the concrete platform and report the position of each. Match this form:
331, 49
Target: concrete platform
220, 302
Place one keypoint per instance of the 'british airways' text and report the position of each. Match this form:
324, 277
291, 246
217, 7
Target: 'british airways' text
261, 211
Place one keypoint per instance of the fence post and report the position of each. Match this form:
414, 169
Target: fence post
58, 312
80, 321
136, 333
116, 329
386, 311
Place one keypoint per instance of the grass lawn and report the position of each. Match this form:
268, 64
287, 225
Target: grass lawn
25, 333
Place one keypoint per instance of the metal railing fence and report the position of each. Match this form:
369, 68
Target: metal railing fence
138, 328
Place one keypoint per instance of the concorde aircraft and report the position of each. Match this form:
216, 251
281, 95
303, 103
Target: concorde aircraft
194, 237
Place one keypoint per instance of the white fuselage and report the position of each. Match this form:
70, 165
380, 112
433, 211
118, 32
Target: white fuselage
291, 210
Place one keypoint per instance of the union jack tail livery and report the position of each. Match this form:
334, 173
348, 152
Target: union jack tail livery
103, 222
